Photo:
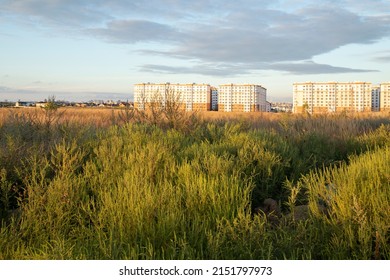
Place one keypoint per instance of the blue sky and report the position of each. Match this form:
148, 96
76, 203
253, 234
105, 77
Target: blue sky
81, 50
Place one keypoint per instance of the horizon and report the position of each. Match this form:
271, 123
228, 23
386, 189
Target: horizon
79, 52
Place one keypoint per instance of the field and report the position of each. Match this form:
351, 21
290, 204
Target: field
114, 184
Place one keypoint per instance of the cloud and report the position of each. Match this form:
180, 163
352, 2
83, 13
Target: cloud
259, 39
202, 69
15, 94
301, 36
233, 37
2, 88
132, 31
310, 67
87, 13
230, 70
363, 7
73, 13
383, 56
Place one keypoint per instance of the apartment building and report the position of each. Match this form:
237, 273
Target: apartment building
385, 97
242, 98
191, 97
214, 99
375, 98
319, 97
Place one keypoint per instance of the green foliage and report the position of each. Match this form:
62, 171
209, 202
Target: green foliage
358, 200
149, 191
5, 193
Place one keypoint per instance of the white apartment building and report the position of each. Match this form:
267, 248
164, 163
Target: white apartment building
375, 98
242, 98
192, 97
319, 97
385, 97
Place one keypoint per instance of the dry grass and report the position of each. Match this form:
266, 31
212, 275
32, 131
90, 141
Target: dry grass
100, 117
104, 116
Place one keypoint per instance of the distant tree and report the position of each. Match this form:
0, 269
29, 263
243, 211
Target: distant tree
165, 109
51, 112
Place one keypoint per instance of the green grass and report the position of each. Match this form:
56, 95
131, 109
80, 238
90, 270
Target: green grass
144, 191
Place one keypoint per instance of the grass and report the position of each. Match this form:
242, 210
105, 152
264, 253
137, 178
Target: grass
98, 184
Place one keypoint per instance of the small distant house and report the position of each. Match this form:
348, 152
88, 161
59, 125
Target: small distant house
41, 104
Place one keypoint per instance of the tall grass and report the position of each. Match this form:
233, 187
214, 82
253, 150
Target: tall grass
358, 199
130, 190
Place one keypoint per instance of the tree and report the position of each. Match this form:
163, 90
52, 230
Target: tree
51, 112
165, 109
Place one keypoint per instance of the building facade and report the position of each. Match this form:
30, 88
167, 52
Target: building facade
214, 99
318, 97
242, 98
190, 97
375, 98
385, 97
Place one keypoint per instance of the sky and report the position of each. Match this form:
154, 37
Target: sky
80, 50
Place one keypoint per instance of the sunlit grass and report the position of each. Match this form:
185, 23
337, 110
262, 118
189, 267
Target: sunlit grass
95, 185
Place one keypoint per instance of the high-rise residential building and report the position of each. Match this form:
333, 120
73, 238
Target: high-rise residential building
214, 99
318, 97
385, 97
242, 98
375, 98
191, 97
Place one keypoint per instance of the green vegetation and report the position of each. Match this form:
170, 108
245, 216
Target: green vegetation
148, 190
